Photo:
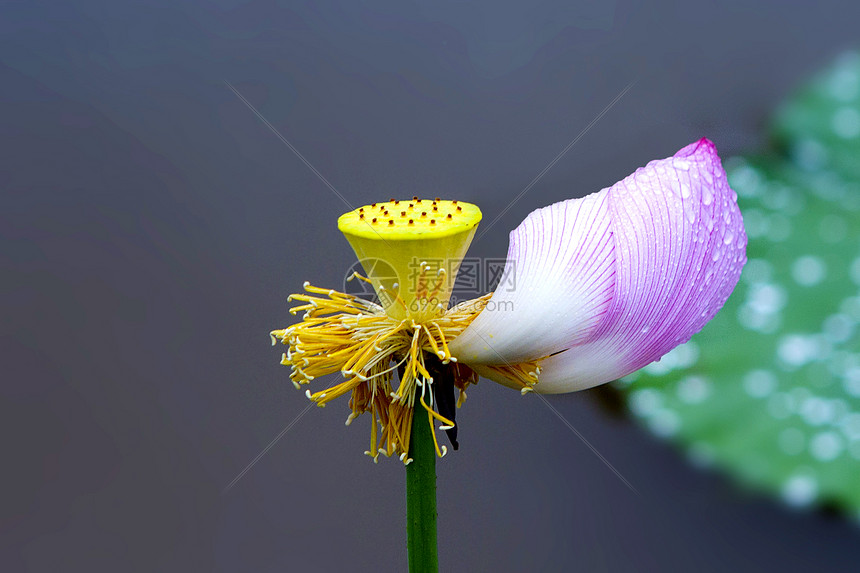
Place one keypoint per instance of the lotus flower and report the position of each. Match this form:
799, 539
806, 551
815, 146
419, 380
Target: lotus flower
605, 285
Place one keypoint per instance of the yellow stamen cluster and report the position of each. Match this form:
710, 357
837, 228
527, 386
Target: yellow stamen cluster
411, 251
346, 334
522, 375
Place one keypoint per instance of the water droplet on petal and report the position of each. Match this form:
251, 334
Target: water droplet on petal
691, 215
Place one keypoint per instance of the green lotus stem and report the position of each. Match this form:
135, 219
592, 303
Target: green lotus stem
421, 546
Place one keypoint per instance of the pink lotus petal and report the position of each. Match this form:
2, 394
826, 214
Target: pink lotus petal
675, 254
562, 260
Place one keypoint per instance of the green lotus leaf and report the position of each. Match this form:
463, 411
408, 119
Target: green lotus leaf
769, 391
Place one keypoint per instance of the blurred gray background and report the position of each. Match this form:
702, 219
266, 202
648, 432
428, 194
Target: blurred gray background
151, 226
